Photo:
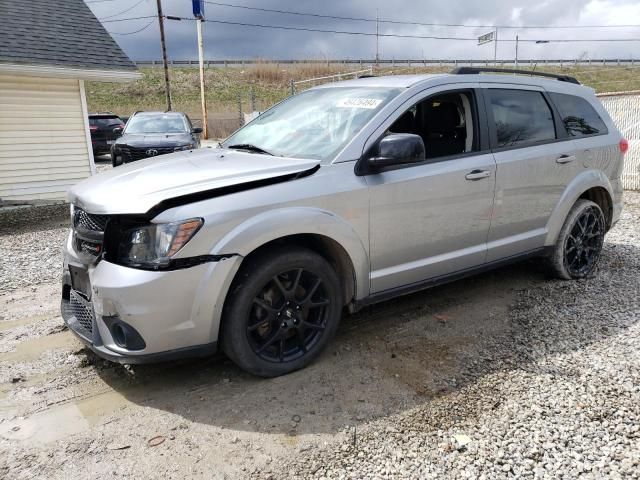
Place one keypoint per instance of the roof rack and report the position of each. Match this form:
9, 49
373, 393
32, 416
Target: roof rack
476, 70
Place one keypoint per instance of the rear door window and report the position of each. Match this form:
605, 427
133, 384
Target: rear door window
579, 117
521, 117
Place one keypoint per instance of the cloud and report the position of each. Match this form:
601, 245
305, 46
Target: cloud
232, 41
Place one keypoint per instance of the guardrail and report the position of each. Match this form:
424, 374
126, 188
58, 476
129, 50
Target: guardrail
394, 62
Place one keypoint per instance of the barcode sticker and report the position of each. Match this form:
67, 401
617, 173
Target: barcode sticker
359, 103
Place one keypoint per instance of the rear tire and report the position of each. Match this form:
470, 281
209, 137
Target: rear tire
579, 243
282, 310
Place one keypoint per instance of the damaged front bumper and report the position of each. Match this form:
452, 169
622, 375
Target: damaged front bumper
134, 316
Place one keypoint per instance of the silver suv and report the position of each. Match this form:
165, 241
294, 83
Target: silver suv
339, 197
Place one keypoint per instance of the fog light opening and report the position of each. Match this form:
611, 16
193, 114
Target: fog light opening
123, 334
119, 335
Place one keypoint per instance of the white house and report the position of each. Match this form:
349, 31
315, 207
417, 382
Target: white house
47, 51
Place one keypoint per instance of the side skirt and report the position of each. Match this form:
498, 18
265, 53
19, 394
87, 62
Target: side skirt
435, 281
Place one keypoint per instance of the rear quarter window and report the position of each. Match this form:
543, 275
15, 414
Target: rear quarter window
521, 117
578, 115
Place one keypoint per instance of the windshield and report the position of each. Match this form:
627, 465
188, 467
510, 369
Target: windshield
157, 124
314, 124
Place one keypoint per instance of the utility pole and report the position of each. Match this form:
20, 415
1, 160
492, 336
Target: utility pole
377, 40
205, 121
495, 48
164, 55
516, 51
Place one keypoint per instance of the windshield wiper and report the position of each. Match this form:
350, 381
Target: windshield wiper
249, 147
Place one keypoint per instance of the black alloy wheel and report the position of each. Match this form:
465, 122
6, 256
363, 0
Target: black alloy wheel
584, 242
283, 308
580, 240
288, 316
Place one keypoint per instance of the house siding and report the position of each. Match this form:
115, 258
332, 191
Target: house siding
43, 142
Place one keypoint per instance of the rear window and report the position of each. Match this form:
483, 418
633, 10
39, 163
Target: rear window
104, 121
521, 117
579, 117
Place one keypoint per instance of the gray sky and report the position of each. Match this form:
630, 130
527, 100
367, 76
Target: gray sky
232, 41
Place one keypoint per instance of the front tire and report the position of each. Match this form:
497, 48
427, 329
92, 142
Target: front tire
579, 244
283, 309
114, 160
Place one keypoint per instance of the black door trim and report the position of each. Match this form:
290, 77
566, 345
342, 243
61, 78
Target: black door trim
442, 279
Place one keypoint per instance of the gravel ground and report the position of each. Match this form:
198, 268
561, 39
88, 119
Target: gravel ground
556, 396
31, 240
507, 374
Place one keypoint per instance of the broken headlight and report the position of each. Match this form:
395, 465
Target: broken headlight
152, 246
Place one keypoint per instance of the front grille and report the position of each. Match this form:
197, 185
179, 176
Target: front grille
89, 221
133, 153
82, 310
88, 232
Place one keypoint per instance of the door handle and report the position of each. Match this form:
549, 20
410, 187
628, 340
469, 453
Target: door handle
565, 159
477, 174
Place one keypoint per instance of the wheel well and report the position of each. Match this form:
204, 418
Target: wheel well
600, 196
326, 247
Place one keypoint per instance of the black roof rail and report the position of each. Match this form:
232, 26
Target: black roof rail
476, 70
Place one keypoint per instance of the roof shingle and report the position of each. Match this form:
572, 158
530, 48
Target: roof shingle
59, 33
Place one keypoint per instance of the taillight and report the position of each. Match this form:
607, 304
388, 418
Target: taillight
624, 145
93, 128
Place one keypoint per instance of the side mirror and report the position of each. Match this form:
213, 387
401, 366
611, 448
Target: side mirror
197, 130
397, 149
117, 131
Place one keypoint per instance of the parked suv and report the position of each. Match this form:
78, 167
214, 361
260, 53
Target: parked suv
148, 134
339, 197
101, 127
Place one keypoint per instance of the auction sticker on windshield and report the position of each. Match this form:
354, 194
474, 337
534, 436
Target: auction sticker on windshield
359, 103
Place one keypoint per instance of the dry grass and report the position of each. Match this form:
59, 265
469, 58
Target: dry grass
269, 82
267, 72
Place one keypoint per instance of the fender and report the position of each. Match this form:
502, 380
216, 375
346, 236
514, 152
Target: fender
274, 224
583, 182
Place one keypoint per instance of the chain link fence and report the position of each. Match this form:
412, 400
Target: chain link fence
624, 108
251, 102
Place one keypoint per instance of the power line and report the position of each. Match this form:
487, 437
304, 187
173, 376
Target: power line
407, 22
386, 35
576, 40
124, 11
135, 31
396, 35
342, 32
127, 19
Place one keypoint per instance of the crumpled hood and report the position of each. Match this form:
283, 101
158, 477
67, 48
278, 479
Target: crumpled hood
136, 187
